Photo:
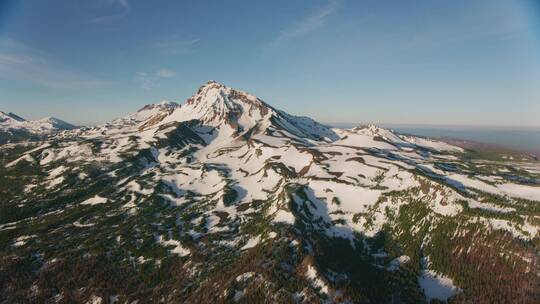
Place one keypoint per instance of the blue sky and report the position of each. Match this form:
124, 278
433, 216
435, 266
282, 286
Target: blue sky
463, 62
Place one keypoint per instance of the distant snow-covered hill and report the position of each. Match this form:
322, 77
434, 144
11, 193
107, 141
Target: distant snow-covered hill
14, 128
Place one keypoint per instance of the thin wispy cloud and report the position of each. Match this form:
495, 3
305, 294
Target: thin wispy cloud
144, 80
120, 9
470, 27
20, 62
148, 80
177, 45
124, 3
165, 73
14, 59
305, 26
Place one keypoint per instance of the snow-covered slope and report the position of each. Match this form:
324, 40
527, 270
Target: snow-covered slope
376, 137
47, 125
145, 117
10, 118
14, 128
164, 107
44, 125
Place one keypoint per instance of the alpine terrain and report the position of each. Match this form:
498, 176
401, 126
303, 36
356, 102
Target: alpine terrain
14, 128
227, 199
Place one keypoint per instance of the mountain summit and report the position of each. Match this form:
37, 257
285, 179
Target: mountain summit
239, 113
10, 118
14, 128
47, 124
228, 194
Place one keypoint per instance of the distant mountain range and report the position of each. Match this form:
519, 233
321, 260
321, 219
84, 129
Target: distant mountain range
14, 128
227, 199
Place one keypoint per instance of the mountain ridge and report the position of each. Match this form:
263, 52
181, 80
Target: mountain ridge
14, 128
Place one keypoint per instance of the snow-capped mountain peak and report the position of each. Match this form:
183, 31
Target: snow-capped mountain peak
166, 102
378, 132
14, 128
222, 107
216, 104
44, 125
162, 105
7, 118
53, 123
159, 109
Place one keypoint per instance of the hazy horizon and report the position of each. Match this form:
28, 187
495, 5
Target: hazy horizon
345, 124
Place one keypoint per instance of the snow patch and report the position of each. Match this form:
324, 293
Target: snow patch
252, 242
96, 200
437, 286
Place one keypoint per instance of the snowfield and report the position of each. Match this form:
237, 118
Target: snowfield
96, 200
437, 286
